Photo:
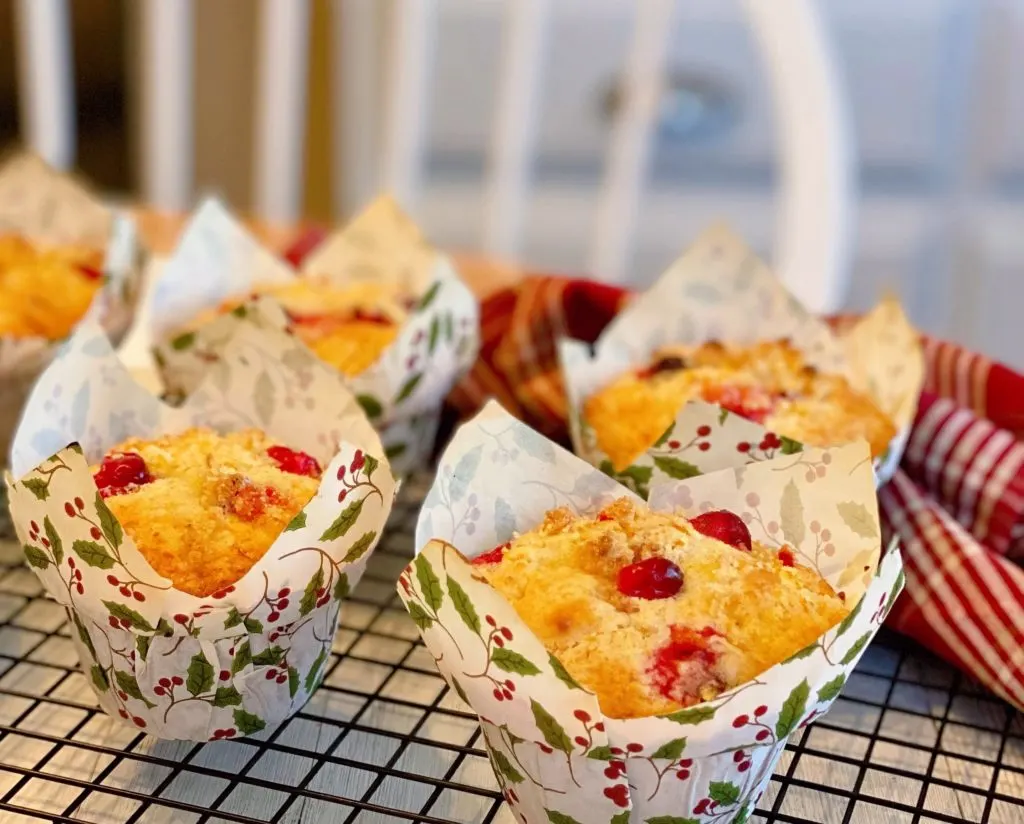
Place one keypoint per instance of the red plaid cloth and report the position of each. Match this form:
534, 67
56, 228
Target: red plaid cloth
957, 501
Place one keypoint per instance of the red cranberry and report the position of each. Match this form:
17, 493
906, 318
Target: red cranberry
121, 472
786, 557
749, 402
651, 578
690, 650
492, 556
90, 272
297, 463
724, 526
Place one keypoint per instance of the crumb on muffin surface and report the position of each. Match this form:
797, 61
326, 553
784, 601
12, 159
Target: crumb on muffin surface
736, 613
44, 292
769, 382
202, 508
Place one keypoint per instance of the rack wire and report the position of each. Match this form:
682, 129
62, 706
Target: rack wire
383, 740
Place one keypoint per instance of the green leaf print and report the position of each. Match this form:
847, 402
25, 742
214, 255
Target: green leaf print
429, 295
234, 619
293, 681
252, 625
792, 515
742, 815
183, 342
623, 818
99, 678
93, 554
461, 692
847, 622
897, 587
671, 750
200, 675
108, 523
242, 659
298, 522
270, 657
693, 715
534, 444
510, 661
724, 793
359, 548
792, 710
856, 649
449, 327
226, 697
396, 450
463, 605
419, 616
663, 439
314, 670
129, 615
556, 817
142, 643
505, 769
38, 487
36, 557
343, 523
341, 587
371, 406
312, 592
370, 465
430, 584
789, 446
247, 723
832, 688
723, 413
803, 653
408, 387
463, 474
603, 753
86, 639
675, 468
56, 544
434, 335
638, 477
504, 520
857, 517
129, 685
552, 731
562, 674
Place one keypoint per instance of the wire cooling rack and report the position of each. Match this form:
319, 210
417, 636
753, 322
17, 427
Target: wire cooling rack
384, 741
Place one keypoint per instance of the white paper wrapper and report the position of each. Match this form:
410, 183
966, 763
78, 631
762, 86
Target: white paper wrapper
719, 290
50, 208
171, 663
556, 756
403, 391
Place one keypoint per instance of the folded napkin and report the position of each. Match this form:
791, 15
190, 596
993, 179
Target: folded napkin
957, 501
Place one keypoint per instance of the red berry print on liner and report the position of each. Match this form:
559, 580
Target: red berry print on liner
724, 526
294, 461
651, 579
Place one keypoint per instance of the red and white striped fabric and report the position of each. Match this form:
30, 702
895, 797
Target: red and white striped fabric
957, 501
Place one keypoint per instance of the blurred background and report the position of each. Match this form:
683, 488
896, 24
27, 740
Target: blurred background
927, 89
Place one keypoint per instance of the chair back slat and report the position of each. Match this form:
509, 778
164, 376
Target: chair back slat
525, 32
356, 58
167, 102
45, 82
815, 198
411, 34
282, 55
631, 138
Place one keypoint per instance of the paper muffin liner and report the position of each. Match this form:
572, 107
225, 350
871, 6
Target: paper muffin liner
48, 207
720, 290
555, 755
173, 664
403, 390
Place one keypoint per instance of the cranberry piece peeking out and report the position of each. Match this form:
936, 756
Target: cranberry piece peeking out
492, 556
786, 557
746, 401
683, 666
370, 316
651, 579
120, 473
724, 526
295, 462
90, 272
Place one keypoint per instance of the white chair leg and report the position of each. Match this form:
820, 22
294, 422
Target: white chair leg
46, 85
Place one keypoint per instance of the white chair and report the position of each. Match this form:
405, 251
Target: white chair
814, 201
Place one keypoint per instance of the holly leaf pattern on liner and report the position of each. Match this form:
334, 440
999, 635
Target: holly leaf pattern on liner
123, 613
831, 690
555, 817
534, 444
670, 750
344, 522
464, 606
562, 674
675, 468
99, 677
242, 659
298, 522
93, 554
108, 523
359, 548
465, 471
511, 661
505, 768
552, 731
56, 544
792, 515
430, 584
314, 669
724, 793
792, 710
200, 675
856, 649
38, 487
693, 715
247, 723
857, 517
36, 557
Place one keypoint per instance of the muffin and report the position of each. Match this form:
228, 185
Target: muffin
45, 291
769, 382
347, 326
653, 612
203, 508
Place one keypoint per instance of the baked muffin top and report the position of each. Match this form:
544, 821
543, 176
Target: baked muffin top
770, 383
201, 507
653, 612
45, 291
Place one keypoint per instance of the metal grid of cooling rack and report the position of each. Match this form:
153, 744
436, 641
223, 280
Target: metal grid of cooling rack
384, 741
